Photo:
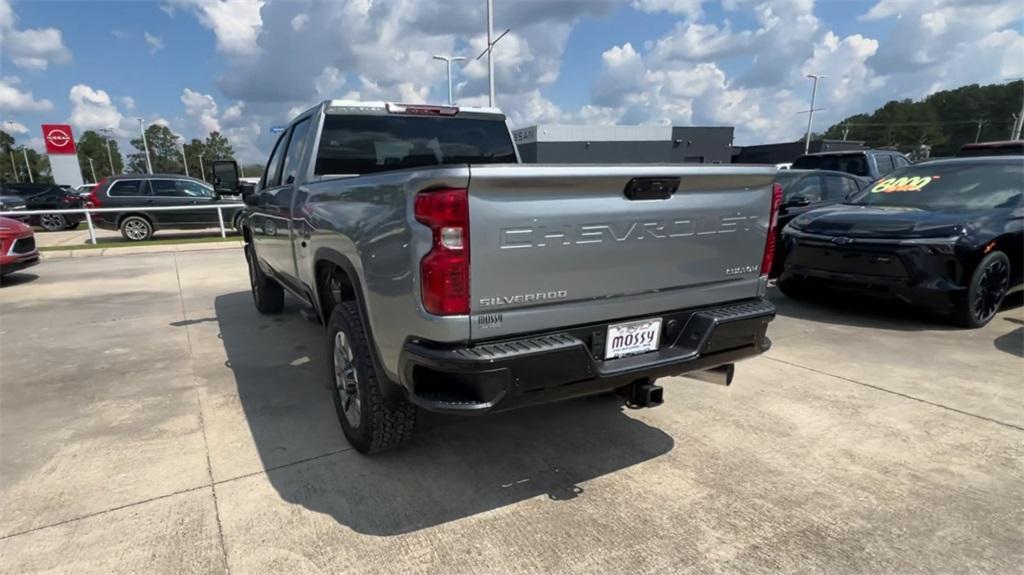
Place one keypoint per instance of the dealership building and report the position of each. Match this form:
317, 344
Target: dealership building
588, 144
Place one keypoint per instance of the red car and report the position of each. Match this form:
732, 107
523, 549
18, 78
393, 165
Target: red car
17, 246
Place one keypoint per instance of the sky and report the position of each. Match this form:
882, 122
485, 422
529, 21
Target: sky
245, 66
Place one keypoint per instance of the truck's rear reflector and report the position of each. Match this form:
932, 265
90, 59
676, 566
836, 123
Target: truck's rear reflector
773, 224
444, 271
422, 110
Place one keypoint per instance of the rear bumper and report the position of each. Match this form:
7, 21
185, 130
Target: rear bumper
542, 368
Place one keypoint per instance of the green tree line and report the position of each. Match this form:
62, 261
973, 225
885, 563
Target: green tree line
169, 155
13, 165
943, 121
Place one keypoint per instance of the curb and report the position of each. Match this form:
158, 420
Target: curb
128, 251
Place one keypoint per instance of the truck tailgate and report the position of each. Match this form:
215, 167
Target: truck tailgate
556, 246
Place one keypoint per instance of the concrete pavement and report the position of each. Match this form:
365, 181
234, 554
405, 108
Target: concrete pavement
152, 421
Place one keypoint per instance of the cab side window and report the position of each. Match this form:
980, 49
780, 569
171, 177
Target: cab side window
884, 164
293, 157
272, 176
808, 188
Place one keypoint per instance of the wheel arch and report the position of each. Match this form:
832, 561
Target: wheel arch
125, 215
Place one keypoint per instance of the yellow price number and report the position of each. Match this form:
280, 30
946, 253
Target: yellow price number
890, 185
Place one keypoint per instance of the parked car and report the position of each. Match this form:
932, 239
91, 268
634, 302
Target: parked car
946, 235
805, 190
870, 164
452, 278
1007, 148
13, 203
48, 197
17, 246
139, 193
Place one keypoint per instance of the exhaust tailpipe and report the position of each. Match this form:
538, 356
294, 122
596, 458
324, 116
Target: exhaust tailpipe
721, 375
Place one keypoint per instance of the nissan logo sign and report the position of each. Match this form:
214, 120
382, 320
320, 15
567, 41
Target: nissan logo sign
58, 137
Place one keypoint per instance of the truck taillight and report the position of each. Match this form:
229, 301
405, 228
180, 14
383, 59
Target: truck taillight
444, 271
773, 224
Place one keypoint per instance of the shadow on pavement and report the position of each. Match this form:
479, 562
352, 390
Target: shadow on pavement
1012, 342
17, 278
456, 467
865, 311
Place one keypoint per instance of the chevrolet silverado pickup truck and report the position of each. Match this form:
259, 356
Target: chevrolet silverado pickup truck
452, 278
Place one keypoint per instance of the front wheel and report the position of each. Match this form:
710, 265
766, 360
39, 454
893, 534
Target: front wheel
136, 229
371, 422
53, 222
267, 294
985, 293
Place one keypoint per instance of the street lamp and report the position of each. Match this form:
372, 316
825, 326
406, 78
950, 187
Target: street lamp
92, 169
184, 160
145, 145
448, 64
810, 112
24, 152
202, 170
110, 155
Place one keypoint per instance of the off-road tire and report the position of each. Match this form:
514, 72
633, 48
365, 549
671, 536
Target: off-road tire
986, 290
384, 423
267, 294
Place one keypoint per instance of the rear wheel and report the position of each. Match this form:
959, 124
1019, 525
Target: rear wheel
53, 222
136, 229
986, 291
267, 294
370, 422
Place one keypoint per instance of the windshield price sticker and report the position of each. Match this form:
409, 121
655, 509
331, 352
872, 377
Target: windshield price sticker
902, 184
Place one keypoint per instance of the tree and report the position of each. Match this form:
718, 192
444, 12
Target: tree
194, 150
943, 121
164, 153
38, 163
93, 146
217, 148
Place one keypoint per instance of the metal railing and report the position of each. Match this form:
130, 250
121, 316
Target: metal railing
137, 210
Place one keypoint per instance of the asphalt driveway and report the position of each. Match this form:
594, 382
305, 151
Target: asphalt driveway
151, 421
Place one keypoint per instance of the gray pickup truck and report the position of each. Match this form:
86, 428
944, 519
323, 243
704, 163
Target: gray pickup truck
452, 278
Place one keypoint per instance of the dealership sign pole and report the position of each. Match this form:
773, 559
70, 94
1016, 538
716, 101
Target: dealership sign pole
60, 145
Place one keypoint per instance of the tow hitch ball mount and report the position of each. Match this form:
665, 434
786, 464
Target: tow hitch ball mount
643, 393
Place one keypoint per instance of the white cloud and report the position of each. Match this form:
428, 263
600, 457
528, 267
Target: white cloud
155, 43
689, 8
128, 102
92, 109
14, 100
12, 127
235, 23
32, 48
203, 108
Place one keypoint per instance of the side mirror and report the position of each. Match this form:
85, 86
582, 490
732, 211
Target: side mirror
797, 202
226, 177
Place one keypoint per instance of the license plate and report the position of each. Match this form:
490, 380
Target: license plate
632, 338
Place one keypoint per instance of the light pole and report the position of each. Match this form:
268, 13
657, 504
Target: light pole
448, 64
202, 170
93, 170
810, 112
184, 160
145, 146
24, 153
110, 155
490, 53
14, 166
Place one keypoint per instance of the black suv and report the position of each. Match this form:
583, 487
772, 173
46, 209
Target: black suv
138, 194
47, 197
870, 164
